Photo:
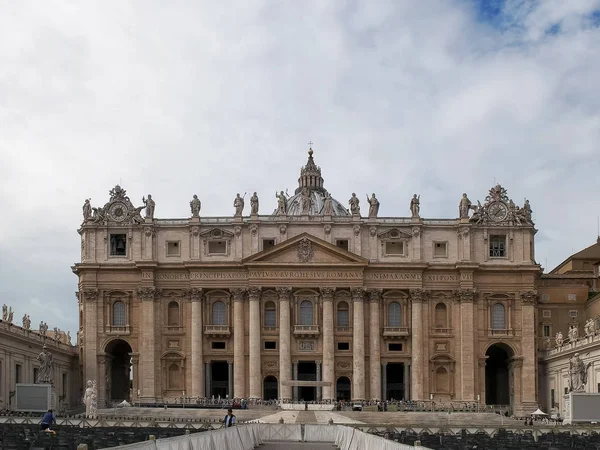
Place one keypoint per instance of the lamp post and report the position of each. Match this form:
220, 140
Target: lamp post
478, 400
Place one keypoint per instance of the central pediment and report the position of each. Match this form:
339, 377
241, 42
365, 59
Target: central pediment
305, 249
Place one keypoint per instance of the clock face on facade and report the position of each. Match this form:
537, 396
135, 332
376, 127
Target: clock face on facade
498, 211
118, 211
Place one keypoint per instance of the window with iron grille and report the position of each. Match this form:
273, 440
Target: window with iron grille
343, 319
394, 315
498, 317
497, 246
218, 314
306, 313
119, 316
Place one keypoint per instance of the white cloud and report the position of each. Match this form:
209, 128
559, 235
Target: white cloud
187, 97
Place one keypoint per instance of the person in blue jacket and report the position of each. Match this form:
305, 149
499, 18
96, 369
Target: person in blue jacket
48, 420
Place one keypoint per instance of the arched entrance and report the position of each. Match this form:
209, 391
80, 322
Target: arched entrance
270, 388
497, 375
342, 389
118, 367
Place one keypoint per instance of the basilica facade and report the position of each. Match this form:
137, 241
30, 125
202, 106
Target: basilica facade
313, 301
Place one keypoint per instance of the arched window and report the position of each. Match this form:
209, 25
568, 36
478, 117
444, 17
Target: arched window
498, 317
173, 314
343, 314
394, 318
306, 313
119, 316
270, 315
441, 317
218, 314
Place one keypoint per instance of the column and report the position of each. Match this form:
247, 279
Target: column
89, 298
417, 360
328, 344
239, 346
208, 391
135, 367
319, 390
384, 381
406, 381
528, 370
147, 294
230, 379
358, 343
374, 344
285, 362
196, 348
467, 348
254, 337
295, 378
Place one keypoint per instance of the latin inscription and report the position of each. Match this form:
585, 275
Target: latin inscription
441, 278
300, 274
393, 276
217, 275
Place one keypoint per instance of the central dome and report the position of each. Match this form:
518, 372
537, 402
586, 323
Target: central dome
311, 198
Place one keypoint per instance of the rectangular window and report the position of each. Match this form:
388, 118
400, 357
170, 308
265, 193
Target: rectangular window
497, 246
343, 346
217, 247
573, 313
572, 297
173, 248
118, 245
342, 243
268, 244
547, 330
270, 317
17, 373
270, 345
217, 345
394, 248
545, 297
440, 249
546, 314
395, 347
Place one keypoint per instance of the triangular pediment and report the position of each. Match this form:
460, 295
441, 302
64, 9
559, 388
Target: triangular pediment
306, 249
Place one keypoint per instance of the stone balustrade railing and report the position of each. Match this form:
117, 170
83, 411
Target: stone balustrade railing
582, 341
35, 336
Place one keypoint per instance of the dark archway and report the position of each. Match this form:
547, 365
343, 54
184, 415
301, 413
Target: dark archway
307, 371
118, 365
342, 389
270, 388
394, 390
497, 380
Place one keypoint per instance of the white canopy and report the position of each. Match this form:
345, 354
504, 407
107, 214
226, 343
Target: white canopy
539, 412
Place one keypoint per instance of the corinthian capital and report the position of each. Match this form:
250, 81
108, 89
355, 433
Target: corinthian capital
327, 293
195, 294
528, 296
465, 295
90, 295
284, 292
418, 295
358, 294
254, 292
375, 295
238, 294
148, 293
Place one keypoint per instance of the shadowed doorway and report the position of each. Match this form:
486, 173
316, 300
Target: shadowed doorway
497, 381
270, 388
118, 360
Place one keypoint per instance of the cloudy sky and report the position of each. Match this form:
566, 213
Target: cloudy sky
214, 98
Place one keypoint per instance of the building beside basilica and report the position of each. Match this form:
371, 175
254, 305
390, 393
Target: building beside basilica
266, 305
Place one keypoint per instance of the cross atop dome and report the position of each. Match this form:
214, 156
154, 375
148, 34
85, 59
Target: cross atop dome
310, 175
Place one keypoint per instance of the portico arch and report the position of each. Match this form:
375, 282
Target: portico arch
117, 369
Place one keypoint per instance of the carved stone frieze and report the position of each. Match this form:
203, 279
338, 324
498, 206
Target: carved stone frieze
358, 294
148, 293
253, 229
464, 295
284, 292
344, 365
305, 250
282, 229
306, 346
356, 230
375, 295
327, 293
117, 211
528, 296
327, 229
373, 231
238, 294
416, 232
270, 364
462, 233
237, 230
499, 209
149, 231
195, 231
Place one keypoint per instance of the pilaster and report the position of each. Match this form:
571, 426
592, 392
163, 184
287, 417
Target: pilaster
358, 342
254, 337
90, 312
285, 362
197, 375
239, 369
374, 344
148, 296
466, 297
417, 296
328, 344
528, 301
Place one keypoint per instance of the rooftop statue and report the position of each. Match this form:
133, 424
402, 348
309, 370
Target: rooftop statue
254, 204
373, 206
415, 205
195, 206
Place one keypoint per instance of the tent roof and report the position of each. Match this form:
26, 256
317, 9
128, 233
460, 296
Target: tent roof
539, 412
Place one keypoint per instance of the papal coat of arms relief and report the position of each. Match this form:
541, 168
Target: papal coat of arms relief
305, 250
